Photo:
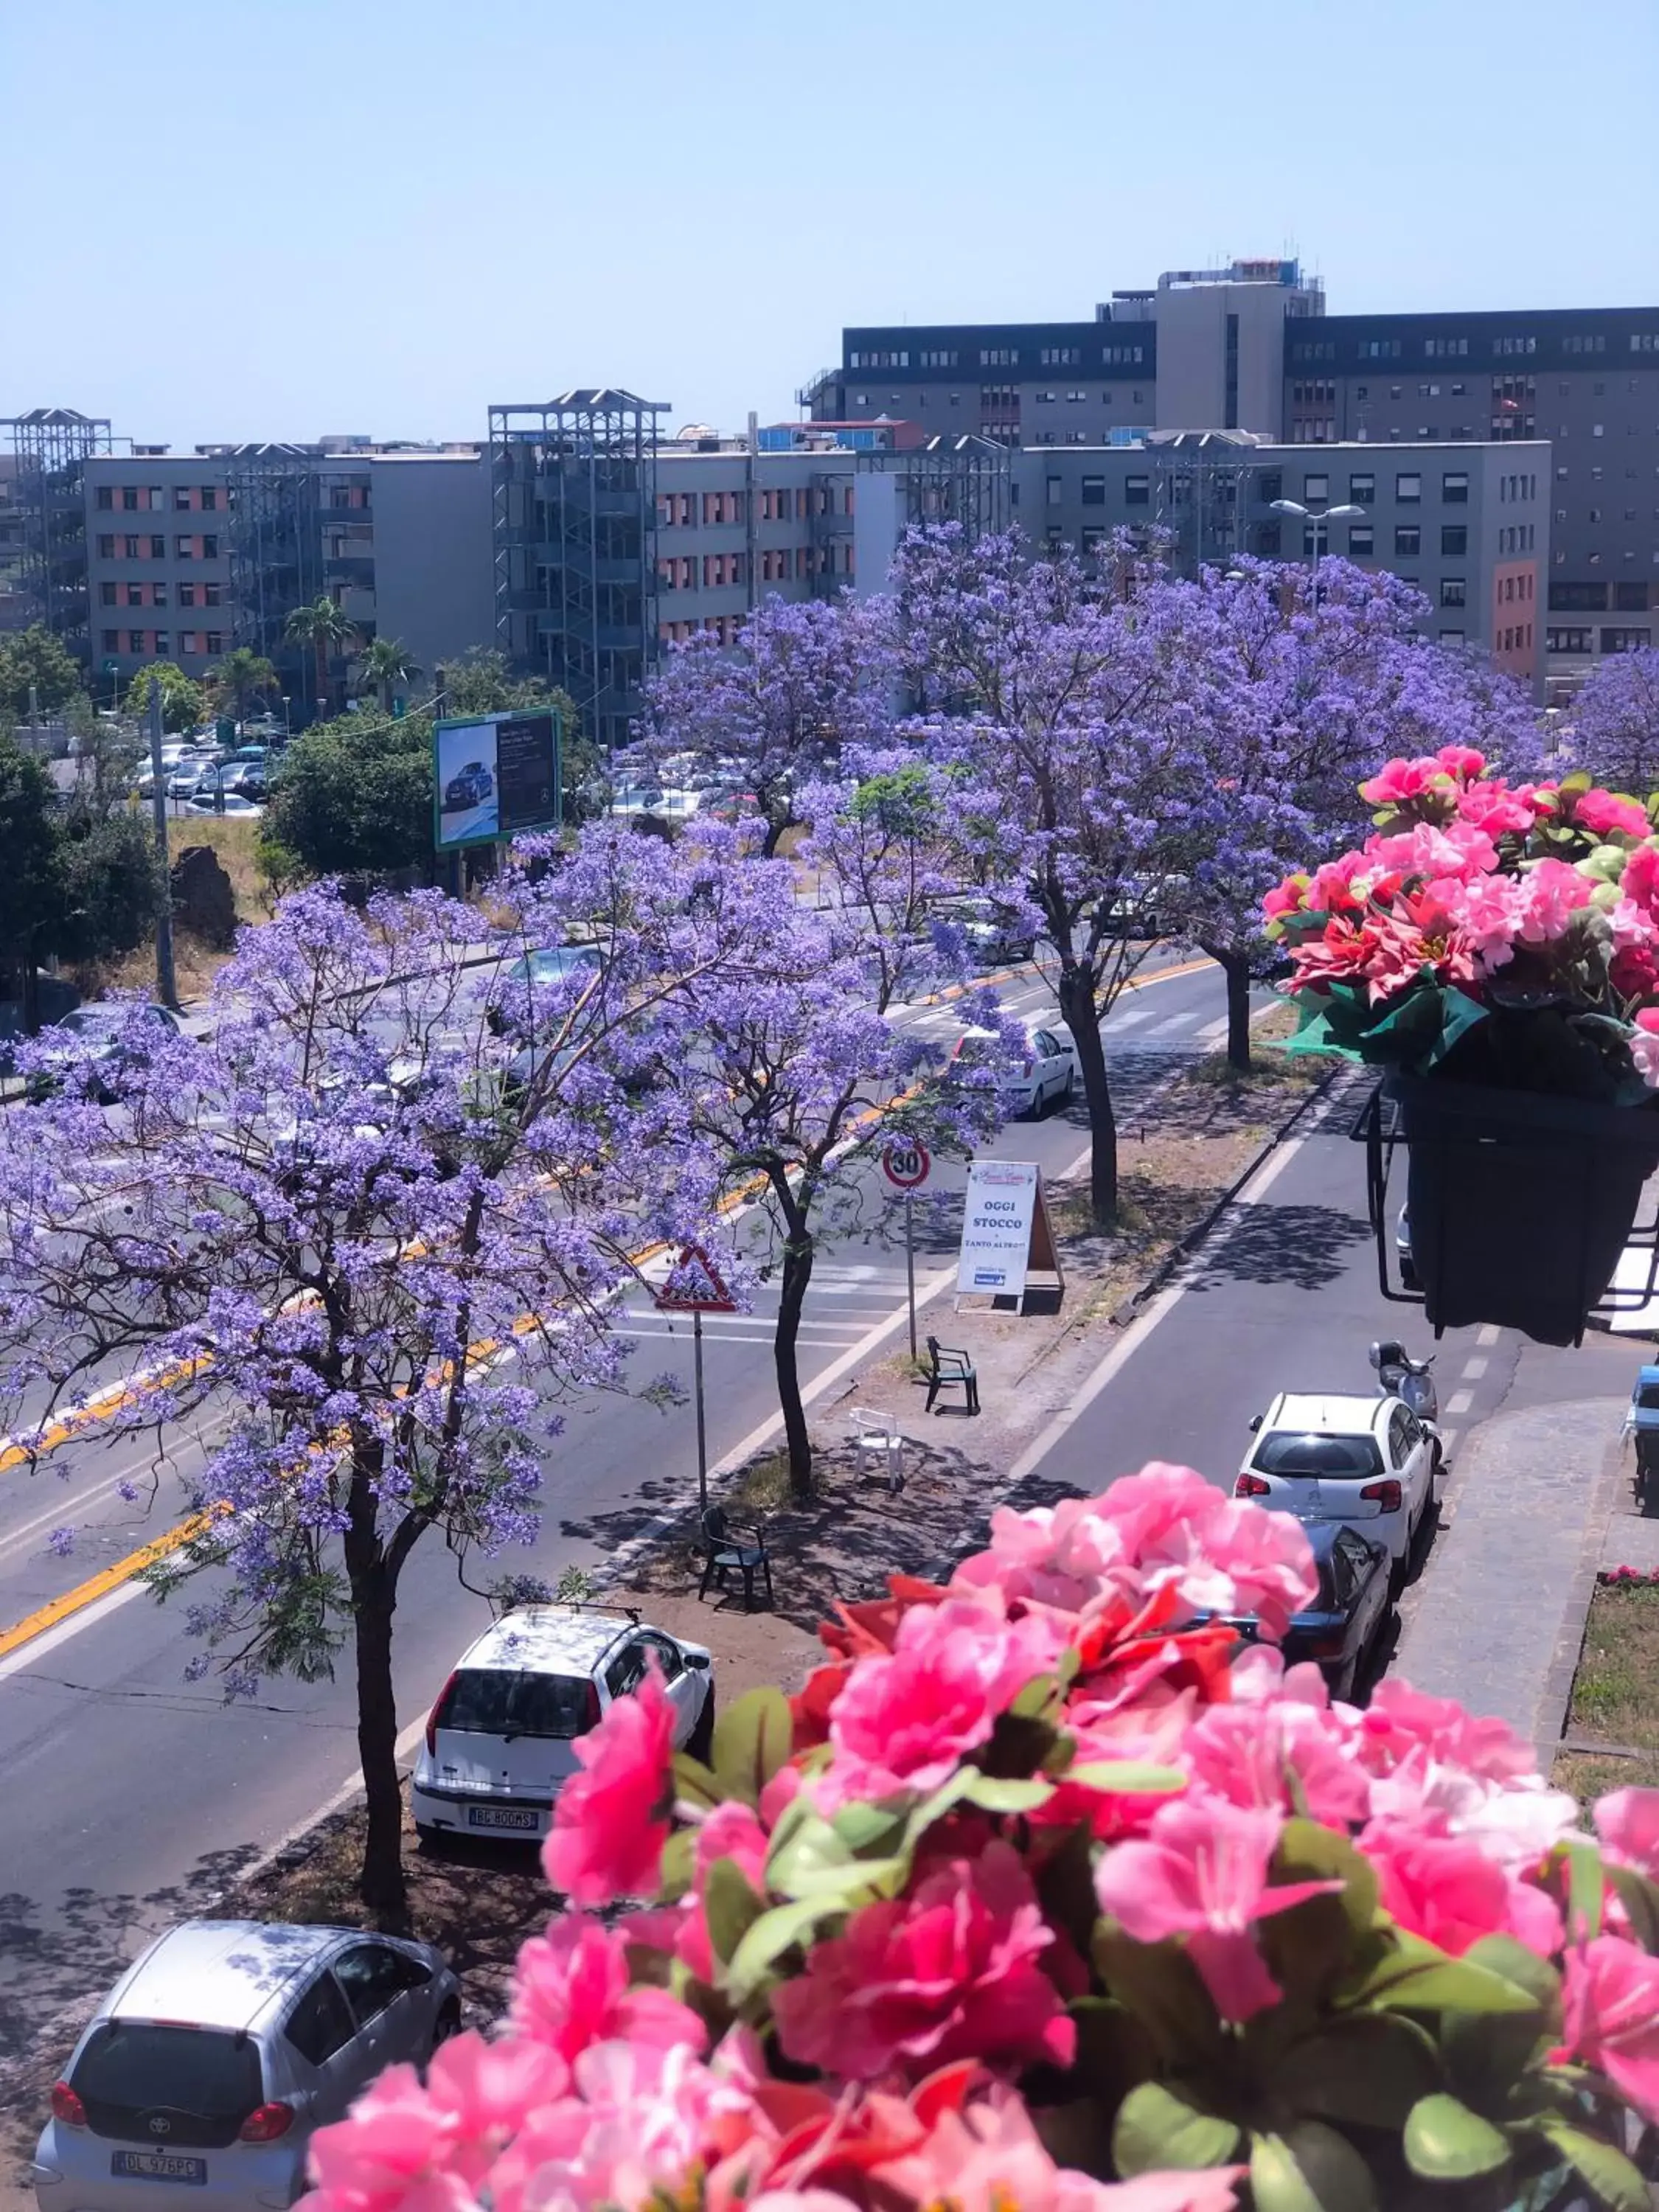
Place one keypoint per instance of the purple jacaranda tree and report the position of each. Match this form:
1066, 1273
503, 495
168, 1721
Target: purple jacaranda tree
803, 681
1302, 701
1060, 701
1615, 723
789, 1075
371, 1234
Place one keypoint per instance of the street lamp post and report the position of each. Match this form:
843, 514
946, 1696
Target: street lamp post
1346, 513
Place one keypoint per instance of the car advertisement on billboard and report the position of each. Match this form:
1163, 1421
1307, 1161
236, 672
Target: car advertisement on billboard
494, 776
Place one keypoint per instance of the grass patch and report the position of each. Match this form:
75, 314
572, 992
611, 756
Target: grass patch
1273, 1073
763, 1486
1615, 1695
236, 844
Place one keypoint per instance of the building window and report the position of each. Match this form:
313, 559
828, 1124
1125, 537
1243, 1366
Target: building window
188, 641
1454, 488
1362, 490
186, 595
130, 548
1450, 636
1454, 537
1623, 641
1062, 356
1094, 491
181, 498
215, 642
135, 595
134, 641
1092, 540
106, 549
158, 595
212, 594
129, 499
158, 549
1271, 487
1407, 538
107, 595
1409, 489
998, 357
1630, 599
163, 642
1567, 641
1362, 540
1316, 488
112, 641
105, 496
1453, 591
210, 548
1055, 490
1137, 491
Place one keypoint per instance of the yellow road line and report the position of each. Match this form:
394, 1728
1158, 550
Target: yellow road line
111, 1577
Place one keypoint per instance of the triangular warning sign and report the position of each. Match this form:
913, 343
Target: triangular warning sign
695, 1285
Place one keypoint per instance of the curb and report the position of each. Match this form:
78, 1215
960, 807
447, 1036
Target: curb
1556, 1700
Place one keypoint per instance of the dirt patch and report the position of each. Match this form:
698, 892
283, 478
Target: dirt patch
1615, 1696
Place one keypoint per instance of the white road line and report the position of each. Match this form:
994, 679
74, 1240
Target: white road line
1170, 1023
1460, 1401
1211, 1032
1487, 1336
1114, 1021
1473, 1370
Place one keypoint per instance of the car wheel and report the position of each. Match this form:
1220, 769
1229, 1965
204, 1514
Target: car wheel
701, 1744
448, 2023
1399, 1569
430, 1840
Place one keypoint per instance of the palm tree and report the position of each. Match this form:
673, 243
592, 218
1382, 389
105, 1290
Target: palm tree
327, 630
383, 662
241, 677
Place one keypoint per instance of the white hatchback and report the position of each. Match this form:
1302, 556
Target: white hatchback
1367, 1463
1045, 1076
501, 1742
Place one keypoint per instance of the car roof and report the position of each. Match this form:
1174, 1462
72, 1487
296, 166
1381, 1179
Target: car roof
1327, 1412
219, 1973
550, 1637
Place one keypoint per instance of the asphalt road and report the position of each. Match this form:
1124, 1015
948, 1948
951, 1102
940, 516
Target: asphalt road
132, 1794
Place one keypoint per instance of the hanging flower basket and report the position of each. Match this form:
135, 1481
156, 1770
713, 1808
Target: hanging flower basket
1520, 1204
1496, 949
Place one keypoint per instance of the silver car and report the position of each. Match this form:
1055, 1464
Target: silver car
201, 2079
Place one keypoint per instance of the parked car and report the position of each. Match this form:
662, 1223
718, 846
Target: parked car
511, 1003
994, 931
501, 1742
224, 802
1341, 1630
188, 774
1048, 1074
1366, 1462
468, 787
107, 1038
202, 2077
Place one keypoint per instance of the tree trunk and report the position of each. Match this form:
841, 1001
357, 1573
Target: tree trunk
322, 680
1077, 1008
374, 1598
797, 1274
1236, 967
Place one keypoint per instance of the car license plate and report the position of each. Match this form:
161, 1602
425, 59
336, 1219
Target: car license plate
160, 2166
502, 1816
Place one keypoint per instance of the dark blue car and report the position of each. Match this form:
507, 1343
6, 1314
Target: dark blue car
468, 787
1343, 1628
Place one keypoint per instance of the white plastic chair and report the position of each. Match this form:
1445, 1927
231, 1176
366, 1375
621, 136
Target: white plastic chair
880, 1447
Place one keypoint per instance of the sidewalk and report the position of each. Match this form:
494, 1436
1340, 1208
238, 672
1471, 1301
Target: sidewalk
1536, 1503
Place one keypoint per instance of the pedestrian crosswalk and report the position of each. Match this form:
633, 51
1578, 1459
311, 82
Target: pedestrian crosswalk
1144, 1021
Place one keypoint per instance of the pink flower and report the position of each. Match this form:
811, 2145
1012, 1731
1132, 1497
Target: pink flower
571, 1989
1627, 1822
1605, 812
904, 1722
1062, 1556
1401, 780
1222, 1556
1488, 910
1274, 1755
1399, 1720
987, 2157
1551, 893
949, 1972
611, 1822
1447, 1890
1610, 2017
640, 2123
1202, 1873
1493, 807
397, 2144
1462, 762
1460, 849
1644, 1046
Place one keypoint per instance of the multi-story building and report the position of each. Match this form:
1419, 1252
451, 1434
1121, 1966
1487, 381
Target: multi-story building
1468, 525
43, 541
1250, 347
192, 555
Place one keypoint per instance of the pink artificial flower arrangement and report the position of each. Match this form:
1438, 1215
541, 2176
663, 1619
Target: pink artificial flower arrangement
1497, 933
1054, 1889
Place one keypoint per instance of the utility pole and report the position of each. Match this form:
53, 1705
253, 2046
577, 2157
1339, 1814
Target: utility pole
167, 984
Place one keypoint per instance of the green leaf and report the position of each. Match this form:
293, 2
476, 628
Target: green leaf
1309, 1851
1502, 1955
679, 1864
1445, 2141
1606, 2172
1309, 2168
1160, 1985
1586, 1889
1640, 1899
770, 1937
730, 1906
1158, 2127
693, 1784
813, 1860
752, 1739
1128, 1778
1367, 2071
1413, 1976
993, 1795
869, 1827
1037, 1700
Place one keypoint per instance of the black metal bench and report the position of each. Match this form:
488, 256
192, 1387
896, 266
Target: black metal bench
949, 1368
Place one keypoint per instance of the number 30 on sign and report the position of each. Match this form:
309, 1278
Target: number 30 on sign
906, 1163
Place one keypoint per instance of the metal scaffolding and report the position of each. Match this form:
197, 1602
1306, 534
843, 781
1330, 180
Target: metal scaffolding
276, 554
573, 488
962, 479
1200, 493
44, 545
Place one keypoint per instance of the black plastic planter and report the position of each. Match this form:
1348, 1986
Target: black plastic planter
1521, 1203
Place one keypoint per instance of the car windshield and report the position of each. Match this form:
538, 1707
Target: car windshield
553, 961
137, 2066
93, 1021
1290, 1452
490, 1701
1647, 1397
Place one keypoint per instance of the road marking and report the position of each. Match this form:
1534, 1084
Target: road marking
1170, 1024
1460, 1401
1115, 1022
1473, 1370
58, 1609
1488, 1335
1213, 1032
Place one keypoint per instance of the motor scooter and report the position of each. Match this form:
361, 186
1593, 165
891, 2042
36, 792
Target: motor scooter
1400, 1375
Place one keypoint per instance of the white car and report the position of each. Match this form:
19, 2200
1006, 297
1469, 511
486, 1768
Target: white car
501, 1742
1048, 1075
203, 2074
1367, 1463
207, 801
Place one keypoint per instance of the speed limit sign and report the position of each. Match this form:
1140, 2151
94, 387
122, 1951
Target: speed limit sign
905, 1162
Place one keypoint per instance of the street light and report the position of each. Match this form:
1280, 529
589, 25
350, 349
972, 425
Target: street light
1315, 516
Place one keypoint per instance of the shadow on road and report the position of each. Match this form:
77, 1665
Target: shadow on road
1310, 1246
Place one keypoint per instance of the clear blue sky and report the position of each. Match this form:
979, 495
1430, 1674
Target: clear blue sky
275, 218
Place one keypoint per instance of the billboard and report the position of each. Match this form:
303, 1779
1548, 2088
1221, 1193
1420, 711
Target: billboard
494, 775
